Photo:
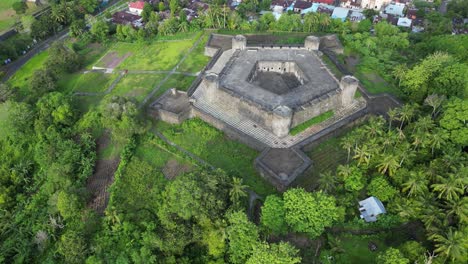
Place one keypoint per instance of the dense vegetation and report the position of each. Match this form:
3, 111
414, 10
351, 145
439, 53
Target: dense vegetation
415, 162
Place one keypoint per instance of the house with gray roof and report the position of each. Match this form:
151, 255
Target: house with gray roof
370, 208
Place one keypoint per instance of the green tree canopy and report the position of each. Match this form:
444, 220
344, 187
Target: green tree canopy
308, 212
273, 215
282, 253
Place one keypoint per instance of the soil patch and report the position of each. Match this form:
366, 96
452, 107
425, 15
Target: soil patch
99, 183
174, 168
102, 178
112, 59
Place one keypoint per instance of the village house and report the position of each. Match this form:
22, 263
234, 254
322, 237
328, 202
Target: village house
340, 13
395, 9
125, 18
301, 5
370, 208
136, 7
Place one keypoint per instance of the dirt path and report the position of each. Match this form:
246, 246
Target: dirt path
102, 178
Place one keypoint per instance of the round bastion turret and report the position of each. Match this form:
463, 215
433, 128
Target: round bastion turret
312, 43
348, 85
211, 83
239, 42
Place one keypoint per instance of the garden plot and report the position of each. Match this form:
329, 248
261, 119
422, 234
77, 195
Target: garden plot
111, 60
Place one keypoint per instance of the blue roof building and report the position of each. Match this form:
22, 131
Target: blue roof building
370, 208
341, 13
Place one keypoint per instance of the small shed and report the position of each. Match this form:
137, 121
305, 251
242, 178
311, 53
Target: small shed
370, 208
404, 22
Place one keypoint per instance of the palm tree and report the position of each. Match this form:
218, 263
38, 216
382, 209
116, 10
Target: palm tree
434, 101
399, 72
237, 191
347, 143
388, 164
451, 245
437, 139
458, 208
392, 114
416, 184
344, 171
327, 182
362, 155
406, 114
450, 187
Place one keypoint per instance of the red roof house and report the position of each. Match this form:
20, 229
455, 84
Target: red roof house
136, 7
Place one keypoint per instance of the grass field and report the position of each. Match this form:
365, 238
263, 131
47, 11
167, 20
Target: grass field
157, 56
196, 60
355, 248
214, 147
94, 82
24, 74
374, 83
149, 151
137, 85
315, 120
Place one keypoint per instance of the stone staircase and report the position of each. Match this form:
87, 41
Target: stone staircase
257, 132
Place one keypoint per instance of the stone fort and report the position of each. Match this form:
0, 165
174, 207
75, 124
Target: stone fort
258, 93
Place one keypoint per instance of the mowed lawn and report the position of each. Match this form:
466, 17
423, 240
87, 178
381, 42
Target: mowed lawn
137, 86
22, 77
157, 56
196, 60
91, 82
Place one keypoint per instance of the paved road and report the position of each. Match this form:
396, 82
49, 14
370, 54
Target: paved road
11, 68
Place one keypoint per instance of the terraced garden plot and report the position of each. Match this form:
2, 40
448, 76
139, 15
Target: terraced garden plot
325, 157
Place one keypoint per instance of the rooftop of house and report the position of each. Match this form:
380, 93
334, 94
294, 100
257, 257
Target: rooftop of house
395, 9
340, 12
302, 5
123, 17
370, 208
137, 5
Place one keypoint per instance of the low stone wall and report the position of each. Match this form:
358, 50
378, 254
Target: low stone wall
210, 51
172, 118
315, 108
230, 131
334, 130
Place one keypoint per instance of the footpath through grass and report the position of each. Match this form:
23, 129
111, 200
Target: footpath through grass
196, 60
315, 120
213, 146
